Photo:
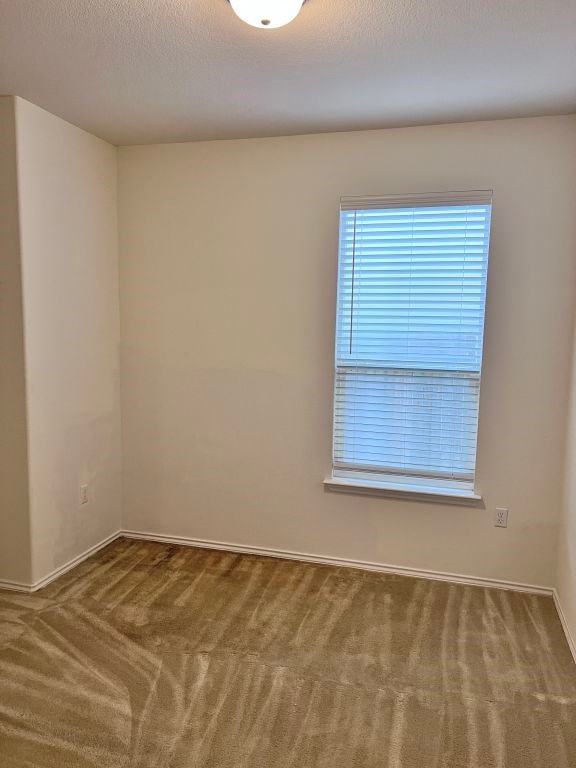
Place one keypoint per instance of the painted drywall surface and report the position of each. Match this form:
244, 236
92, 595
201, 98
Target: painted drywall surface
68, 207
566, 576
228, 276
14, 511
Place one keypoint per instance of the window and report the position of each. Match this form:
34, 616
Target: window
410, 322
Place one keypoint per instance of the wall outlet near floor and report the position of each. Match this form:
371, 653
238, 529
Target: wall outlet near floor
501, 517
83, 494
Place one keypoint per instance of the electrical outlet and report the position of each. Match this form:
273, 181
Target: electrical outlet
501, 517
83, 494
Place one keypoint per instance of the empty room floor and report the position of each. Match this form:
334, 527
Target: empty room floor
157, 655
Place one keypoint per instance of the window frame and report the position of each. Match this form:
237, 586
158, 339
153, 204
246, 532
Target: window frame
405, 484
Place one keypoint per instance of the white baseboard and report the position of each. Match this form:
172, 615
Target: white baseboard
454, 578
571, 641
16, 586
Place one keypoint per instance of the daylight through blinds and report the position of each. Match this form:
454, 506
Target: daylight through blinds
411, 297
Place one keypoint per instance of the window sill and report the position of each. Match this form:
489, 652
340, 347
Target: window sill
403, 491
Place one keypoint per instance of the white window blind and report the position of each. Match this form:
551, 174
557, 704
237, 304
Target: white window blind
410, 322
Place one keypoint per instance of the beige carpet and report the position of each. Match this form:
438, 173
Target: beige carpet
154, 656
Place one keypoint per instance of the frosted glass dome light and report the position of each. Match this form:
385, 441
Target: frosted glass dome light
267, 14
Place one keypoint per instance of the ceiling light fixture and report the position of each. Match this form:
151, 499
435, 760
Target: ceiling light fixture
267, 14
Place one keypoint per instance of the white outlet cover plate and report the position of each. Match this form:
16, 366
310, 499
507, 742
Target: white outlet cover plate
501, 517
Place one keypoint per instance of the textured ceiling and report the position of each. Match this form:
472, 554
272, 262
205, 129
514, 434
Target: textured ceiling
135, 71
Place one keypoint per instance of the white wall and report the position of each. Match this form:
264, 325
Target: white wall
68, 222
228, 275
566, 576
14, 512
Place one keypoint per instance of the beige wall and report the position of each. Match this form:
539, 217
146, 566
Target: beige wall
228, 272
566, 577
14, 513
67, 198
228, 275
